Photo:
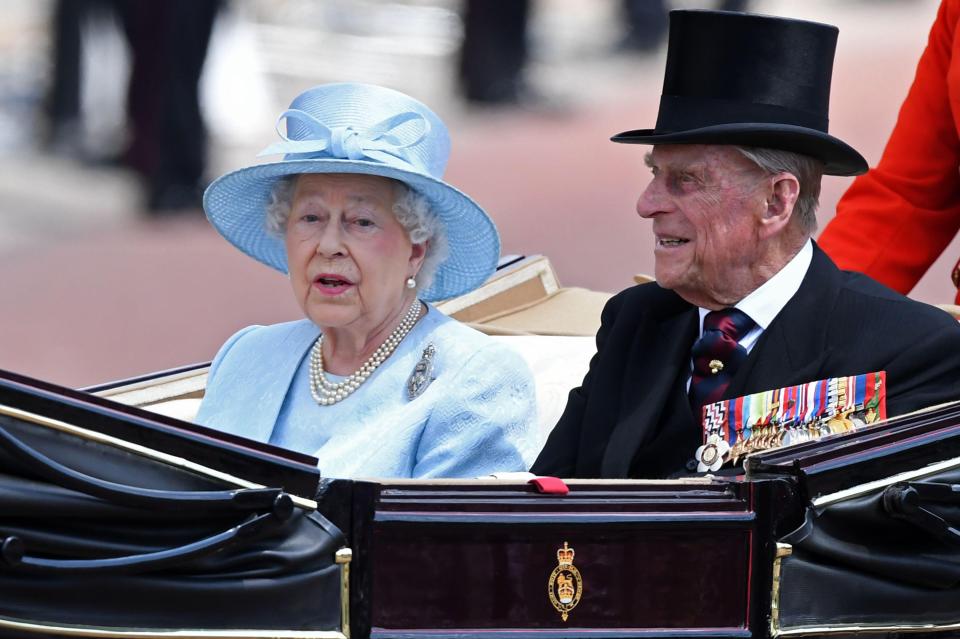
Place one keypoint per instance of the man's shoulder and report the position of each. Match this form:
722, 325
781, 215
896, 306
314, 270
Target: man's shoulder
650, 297
869, 301
643, 301
854, 301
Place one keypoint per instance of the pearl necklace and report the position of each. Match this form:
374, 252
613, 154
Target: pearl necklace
325, 392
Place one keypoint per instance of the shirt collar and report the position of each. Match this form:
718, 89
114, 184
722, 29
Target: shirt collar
766, 302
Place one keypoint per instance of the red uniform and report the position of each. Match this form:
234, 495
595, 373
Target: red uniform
895, 220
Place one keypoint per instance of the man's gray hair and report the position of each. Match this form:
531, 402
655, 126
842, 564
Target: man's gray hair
807, 170
411, 209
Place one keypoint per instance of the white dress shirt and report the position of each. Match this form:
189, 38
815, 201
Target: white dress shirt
765, 303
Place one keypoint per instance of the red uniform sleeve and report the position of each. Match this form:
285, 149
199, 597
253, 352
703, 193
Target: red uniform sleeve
895, 220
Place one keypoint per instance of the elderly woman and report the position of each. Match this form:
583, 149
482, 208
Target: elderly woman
374, 383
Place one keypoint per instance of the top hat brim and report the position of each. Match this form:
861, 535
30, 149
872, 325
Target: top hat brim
838, 157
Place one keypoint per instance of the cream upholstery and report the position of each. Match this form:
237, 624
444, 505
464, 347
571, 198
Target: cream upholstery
558, 364
185, 409
953, 309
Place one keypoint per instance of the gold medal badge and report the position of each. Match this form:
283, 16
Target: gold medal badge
565, 584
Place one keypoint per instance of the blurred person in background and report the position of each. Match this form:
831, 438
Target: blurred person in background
493, 53
647, 22
168, 44
374, 382
168, 145
896, 220
63, 97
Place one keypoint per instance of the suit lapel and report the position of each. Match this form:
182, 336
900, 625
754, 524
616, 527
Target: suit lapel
655, 362
792, 349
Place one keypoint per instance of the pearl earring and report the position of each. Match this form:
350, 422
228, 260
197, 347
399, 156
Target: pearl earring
411, 283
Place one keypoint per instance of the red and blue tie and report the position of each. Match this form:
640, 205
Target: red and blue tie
717, 355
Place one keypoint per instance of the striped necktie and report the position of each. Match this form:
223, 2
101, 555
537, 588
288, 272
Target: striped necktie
717, 355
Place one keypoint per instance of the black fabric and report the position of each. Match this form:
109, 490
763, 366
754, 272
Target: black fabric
821, 595
897, 550
853, 563
838, 323
731, 76
678, 111
283, 577
752, 60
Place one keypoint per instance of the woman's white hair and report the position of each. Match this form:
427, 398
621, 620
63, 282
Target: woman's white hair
411, 209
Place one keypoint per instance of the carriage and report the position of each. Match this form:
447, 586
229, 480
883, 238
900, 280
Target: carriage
120, 520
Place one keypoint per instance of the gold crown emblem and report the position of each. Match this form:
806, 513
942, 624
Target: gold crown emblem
565, 588
565, 584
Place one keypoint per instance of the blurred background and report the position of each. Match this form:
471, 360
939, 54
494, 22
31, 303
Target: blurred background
115, 114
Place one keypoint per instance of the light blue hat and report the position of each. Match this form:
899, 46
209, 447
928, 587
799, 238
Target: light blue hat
360, 128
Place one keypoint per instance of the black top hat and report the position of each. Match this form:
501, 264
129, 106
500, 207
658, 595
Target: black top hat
737, 78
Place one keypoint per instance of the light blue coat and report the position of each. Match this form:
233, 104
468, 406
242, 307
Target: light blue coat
478, 416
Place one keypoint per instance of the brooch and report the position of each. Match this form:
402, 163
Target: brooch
422, 373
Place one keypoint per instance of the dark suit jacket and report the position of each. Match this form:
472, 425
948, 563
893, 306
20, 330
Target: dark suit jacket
631, 417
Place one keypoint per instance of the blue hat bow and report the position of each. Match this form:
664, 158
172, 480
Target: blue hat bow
376, 142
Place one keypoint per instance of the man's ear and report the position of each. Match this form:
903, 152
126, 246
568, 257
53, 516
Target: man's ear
785, 189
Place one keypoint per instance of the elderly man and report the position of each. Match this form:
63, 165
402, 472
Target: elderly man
744, 300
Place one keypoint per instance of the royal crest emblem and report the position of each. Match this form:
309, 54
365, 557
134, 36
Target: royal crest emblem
565, 584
